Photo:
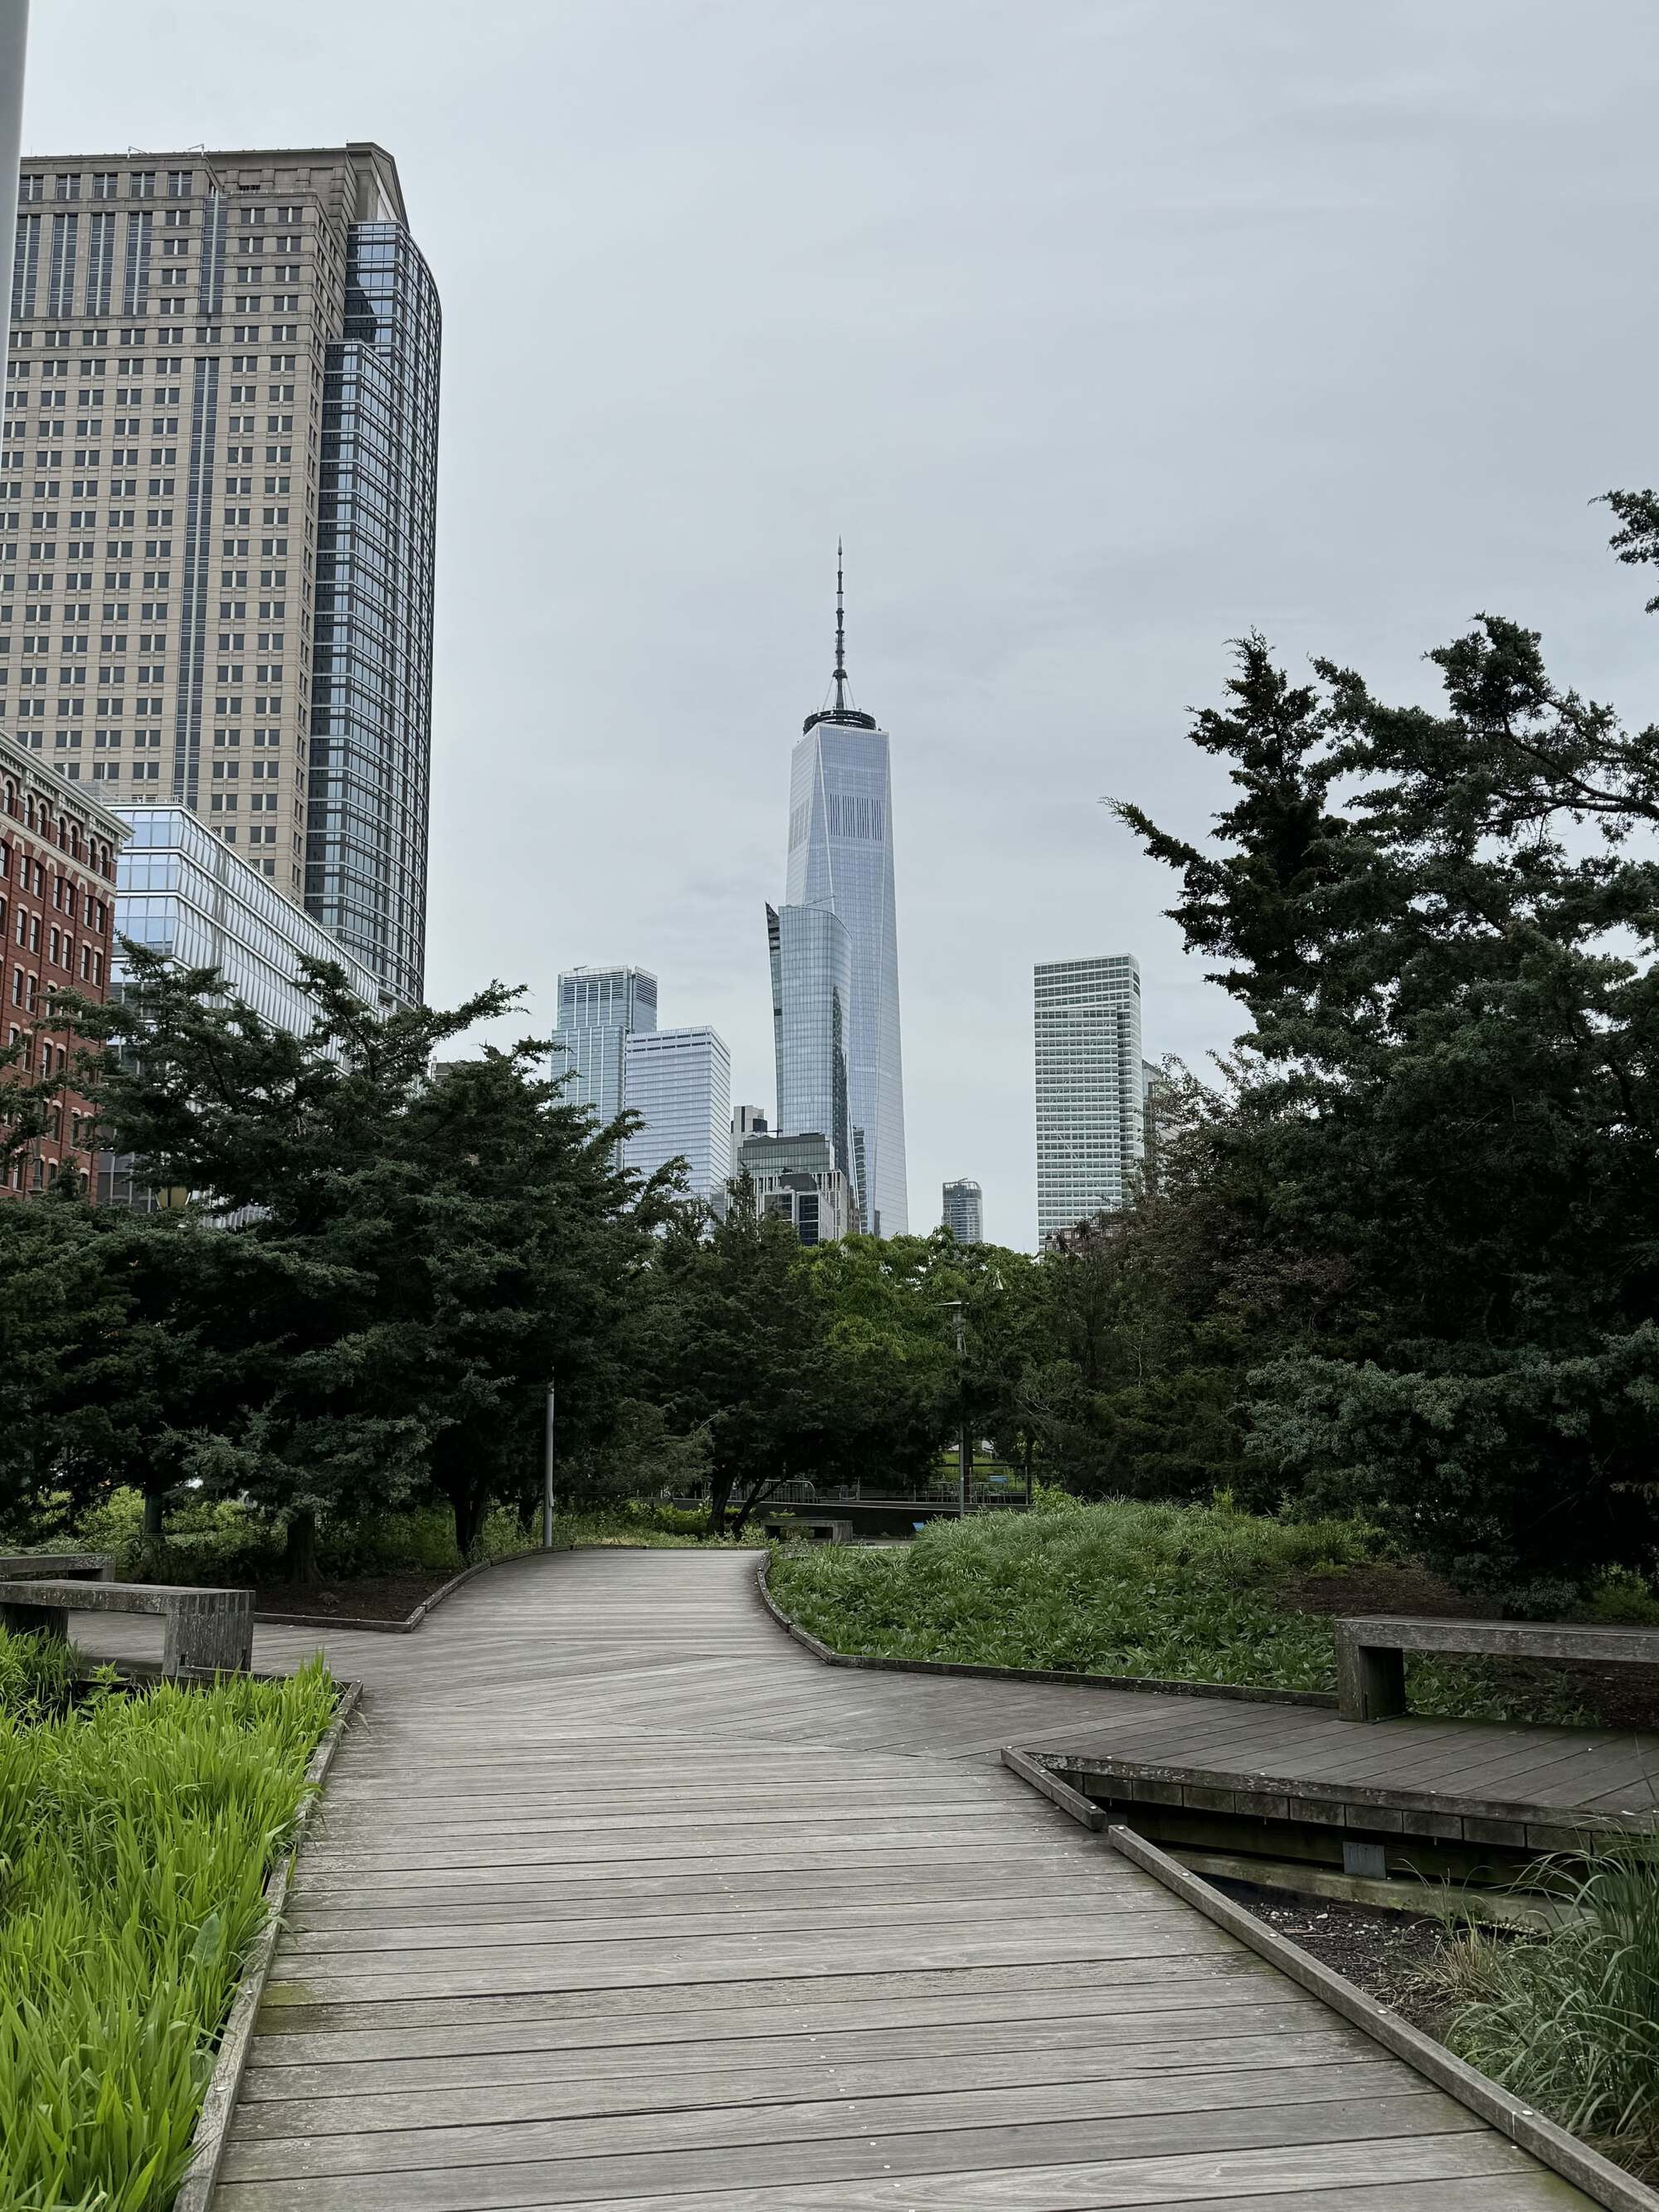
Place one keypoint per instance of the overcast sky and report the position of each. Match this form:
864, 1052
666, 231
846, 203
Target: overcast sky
1101, 332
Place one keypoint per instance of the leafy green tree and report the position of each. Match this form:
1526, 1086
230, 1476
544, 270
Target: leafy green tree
1443, 1157
737, 1341
419, 1252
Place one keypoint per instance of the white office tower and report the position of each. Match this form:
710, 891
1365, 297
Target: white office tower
1089, 1088
599, 1008
681, 1081
840, 858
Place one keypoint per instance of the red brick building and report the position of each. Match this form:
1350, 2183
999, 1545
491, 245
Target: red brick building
57, 848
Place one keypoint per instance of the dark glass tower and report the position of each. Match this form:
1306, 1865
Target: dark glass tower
371, 704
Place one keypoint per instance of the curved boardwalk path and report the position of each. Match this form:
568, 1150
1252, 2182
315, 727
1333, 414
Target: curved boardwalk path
621, 1899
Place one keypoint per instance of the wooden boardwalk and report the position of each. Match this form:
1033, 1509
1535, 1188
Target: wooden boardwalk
621, 1899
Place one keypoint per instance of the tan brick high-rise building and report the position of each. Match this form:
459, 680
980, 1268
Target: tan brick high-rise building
217, 492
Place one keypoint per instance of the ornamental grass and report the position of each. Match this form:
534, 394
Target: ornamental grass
135, 1835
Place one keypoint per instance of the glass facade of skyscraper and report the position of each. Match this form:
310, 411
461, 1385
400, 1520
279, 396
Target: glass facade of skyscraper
961, 1215
811, 1023
1089, 1119
182, 892
680, 1080
841, 857
599, 1008
371, 701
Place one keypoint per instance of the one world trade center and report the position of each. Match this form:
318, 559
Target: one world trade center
840, 858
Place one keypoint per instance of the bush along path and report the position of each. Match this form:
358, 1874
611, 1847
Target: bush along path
135, 1835
1197, 1594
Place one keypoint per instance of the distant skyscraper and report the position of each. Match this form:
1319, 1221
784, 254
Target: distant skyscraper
961, 1215
599, 1008
681, 1081
1157, 1092
811, 1025
747, 1121
265, 323
1090, 1121
797, 1177
841, 857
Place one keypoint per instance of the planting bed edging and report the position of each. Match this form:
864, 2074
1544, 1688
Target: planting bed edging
406, 1626
1551, 2145
219, 2100
1325, 1700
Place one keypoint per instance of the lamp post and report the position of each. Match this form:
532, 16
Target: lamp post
964, 1448
549, 1464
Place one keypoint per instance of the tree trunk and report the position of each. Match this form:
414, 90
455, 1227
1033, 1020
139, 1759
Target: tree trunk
720, 1492
154, 1523
300, 1555
468, 1508
761, 1492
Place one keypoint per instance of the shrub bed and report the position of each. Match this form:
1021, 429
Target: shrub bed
135, 1835
1201, 1593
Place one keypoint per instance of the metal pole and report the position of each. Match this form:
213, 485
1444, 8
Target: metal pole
964, 1446
549, 1466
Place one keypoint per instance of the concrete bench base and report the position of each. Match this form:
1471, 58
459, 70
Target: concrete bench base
207, 1631
1370, 1652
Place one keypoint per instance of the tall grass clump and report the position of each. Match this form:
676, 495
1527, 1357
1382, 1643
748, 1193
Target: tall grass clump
1185, 1592
135, 1835
1569, 2022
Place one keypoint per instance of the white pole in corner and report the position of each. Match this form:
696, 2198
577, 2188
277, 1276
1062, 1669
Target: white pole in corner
14, 45
549, 1463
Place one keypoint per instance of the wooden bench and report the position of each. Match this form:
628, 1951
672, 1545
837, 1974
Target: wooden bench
208, 1630
819, 1528
56, 1566
1370, 1652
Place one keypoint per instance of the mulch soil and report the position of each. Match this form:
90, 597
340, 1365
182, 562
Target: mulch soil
1622, 1697
377, 1598
1387, 1954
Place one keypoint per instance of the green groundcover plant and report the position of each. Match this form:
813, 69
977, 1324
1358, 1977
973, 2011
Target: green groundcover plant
1189, 1593
136, 1835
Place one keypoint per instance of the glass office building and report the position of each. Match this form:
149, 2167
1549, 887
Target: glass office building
841, 857
681, 1081
371, 699
1091, 1123
962, 1215
797, 1178
811, 957
599, 1008
181, 891
263, 318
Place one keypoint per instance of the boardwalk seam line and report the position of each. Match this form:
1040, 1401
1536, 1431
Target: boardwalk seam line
876, 1662
212, 2129
1610, 2184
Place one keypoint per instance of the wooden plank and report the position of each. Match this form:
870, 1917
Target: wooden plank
1440, 2173
1169, 2100
457, 2062
788, 2166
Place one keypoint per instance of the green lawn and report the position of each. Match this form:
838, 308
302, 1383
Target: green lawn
136, 1835
1181, 1593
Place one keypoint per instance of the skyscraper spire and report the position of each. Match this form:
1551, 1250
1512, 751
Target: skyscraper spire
840, 637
